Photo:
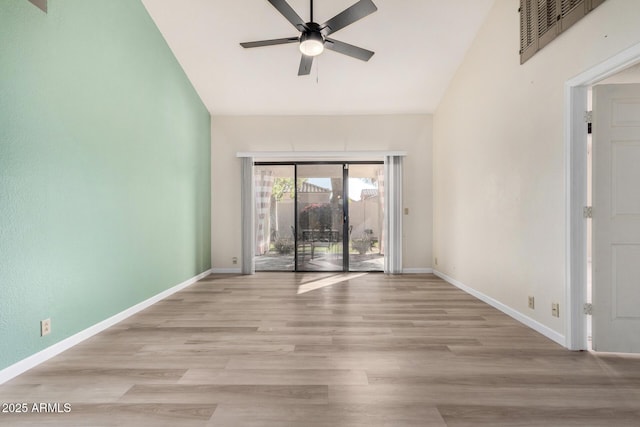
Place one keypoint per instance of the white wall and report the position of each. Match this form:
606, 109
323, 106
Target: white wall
410, 133
499, 190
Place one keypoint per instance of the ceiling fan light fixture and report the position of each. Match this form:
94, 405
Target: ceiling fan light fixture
311, 43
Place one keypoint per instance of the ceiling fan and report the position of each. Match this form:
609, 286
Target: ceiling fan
314, 38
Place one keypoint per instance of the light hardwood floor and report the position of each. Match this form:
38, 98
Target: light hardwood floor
372, 350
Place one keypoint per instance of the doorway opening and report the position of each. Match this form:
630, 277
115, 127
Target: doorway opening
319, 216
612, 239
582, 283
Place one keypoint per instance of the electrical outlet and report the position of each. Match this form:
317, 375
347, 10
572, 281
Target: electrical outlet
532, 303
436, 260
234, 260
555, 309
45, 327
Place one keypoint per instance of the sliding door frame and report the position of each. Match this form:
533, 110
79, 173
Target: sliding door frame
393, 187
345, 205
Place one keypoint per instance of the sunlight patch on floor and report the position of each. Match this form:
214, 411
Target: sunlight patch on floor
327, 281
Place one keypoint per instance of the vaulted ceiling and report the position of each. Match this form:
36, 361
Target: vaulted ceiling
418, 44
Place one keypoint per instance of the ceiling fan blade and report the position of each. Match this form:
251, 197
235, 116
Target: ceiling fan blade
348, 49
288, 12
348, 16
270, 42
305, 65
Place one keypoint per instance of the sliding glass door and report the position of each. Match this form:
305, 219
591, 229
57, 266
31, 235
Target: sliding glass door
274, 222
319, 216
366, 217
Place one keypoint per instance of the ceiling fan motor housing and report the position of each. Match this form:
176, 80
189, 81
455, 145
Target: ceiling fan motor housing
312, 40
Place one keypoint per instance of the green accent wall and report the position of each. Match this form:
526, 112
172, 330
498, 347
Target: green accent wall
104, 168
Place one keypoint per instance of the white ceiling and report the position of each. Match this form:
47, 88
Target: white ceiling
418, 46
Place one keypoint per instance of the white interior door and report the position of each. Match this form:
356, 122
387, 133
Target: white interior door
616, 218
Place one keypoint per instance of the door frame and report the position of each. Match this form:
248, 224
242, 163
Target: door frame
575, 144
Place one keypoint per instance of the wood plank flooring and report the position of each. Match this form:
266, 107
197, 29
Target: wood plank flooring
368, 350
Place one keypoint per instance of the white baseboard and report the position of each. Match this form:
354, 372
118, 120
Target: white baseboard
219, 270
417, 270
57, 348
526, 320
